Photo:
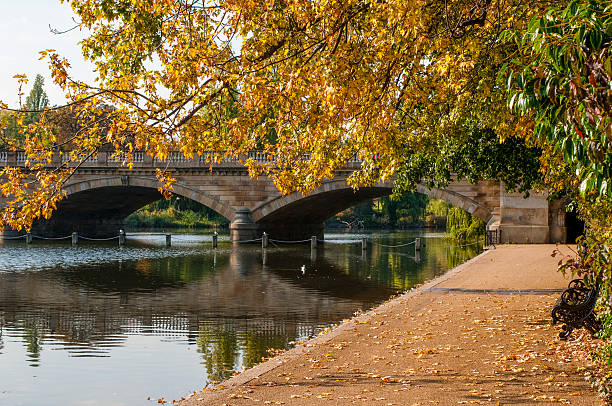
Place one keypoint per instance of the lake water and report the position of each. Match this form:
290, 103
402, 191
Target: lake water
96, 324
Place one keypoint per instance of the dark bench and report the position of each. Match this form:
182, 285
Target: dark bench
575, 308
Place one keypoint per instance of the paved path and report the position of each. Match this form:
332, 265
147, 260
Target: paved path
479, 334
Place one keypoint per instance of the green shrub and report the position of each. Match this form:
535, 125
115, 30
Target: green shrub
171, 218
462, 226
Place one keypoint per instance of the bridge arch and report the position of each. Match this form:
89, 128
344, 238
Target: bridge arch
335, 196
97, 207
152, 184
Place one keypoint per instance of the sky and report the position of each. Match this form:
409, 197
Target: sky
24, 32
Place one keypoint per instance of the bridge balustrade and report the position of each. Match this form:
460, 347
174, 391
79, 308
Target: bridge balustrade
21, 159
174, 157
137, 157
259, 156
66, 158
141, 159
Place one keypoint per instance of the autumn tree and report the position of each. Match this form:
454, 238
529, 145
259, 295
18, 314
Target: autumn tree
311, 83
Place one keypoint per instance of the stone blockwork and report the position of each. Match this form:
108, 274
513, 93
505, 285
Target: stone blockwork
524, 220
103, 192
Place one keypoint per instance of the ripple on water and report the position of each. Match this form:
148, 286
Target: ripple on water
12, 259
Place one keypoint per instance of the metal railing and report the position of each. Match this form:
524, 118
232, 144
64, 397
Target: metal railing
492, 237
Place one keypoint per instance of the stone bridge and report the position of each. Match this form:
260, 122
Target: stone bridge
103, 192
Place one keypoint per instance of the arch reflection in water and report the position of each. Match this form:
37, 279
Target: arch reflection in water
151, 321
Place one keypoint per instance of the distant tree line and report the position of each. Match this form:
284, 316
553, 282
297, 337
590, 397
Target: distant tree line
411, 210
176, 212
35, 102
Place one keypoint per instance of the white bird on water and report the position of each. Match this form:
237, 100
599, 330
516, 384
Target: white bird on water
303, 269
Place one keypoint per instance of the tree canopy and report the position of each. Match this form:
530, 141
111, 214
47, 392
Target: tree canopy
403, 85
563, 79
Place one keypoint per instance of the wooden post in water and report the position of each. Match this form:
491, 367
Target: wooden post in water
313, 242
214, 240
364, 243
28, 238
417, 244
75, 238
264, 240
168, 240
121, 238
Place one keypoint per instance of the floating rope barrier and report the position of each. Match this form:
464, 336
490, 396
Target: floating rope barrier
290, 242
247, 241
14, 238
413, 242
98, 239
51, 238
176, 237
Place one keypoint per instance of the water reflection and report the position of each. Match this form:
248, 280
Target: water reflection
172, 319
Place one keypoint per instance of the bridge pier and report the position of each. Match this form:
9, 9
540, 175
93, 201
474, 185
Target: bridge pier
242, 226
